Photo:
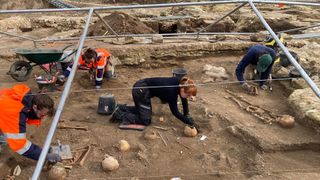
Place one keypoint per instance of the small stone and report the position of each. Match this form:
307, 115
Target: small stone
298, 83
190, 132
123, 145
157, 38
150, 135
110, 163
161, 119
193, 98
57, 172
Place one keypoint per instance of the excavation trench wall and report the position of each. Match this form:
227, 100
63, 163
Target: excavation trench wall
137, 55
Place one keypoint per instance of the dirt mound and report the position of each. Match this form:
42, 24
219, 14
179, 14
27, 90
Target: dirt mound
16, 24
23, 4
121, 23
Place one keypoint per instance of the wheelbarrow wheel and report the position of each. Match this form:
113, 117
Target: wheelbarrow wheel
20, 71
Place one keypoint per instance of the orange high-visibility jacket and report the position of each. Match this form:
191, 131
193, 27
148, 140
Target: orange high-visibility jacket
99, 64
16, 112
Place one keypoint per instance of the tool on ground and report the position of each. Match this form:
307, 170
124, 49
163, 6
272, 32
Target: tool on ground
63, 150
63, 126
137, 127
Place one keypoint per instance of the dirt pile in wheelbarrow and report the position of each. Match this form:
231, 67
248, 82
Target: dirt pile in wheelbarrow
121, 23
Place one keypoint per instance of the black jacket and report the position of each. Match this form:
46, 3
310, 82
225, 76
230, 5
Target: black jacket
168, 92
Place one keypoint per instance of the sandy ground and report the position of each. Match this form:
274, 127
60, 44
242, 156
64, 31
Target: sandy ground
222, 155
238, 145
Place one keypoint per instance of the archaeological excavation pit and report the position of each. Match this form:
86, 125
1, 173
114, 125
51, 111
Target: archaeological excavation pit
233, 143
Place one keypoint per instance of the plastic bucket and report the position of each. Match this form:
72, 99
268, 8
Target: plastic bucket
46, 81
284, 61
107, 104
179, 72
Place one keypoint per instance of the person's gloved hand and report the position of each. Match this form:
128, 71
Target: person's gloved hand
195, 125
245, 86
82, 67
191, 122
91, 74
264, 87
53, 158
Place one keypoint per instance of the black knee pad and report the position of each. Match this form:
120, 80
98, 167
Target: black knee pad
146, 122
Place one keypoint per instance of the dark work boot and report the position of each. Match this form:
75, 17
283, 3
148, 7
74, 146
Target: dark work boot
116, 116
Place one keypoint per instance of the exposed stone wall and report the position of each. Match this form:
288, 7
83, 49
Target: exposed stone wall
135, 55
306, 106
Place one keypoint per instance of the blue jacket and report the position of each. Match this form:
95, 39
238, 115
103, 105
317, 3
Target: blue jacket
252, 57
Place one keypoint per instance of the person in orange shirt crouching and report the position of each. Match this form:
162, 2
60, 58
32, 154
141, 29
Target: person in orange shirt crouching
96, 61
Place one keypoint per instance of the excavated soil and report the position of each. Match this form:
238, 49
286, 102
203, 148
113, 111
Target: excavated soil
232, 144
121, 23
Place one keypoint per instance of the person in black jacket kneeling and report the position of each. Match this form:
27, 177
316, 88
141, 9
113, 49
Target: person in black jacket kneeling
167, 89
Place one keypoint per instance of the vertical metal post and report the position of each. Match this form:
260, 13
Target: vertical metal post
106, 23
64, 96
236, 9
285, 50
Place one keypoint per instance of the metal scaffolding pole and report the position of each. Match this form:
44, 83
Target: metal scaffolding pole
158, 6
126, 7
285, 50
228, 14
22, 37
306, 36
64, 96
301, 28
286, 2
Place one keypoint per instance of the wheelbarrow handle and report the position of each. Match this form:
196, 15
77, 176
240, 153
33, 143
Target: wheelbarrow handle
75, 50
66, 47
70, 46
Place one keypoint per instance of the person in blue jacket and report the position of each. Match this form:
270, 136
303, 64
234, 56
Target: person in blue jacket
256, 65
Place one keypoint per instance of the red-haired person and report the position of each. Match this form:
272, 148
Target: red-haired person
19, 107
167, 89
94, 60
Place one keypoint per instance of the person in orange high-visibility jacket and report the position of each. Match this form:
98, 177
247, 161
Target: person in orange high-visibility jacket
97, 60
19, 107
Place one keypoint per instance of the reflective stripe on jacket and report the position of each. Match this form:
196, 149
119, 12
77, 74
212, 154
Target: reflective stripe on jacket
100, 64
15, 105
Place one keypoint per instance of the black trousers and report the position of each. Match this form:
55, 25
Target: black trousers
141, 112
142, 100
